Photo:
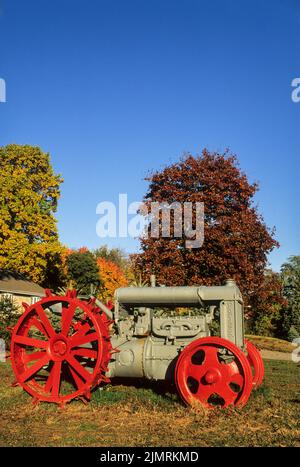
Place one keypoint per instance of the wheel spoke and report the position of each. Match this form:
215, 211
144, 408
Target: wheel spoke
84, 352
82, 329
224, 391
49, 383
34, 368
205, 391
211, 356
56, 378
86, 376
33, 356
195, 371
44, 319
67, 316
238, 379
81, 340
36, 323
77, 380
24, 340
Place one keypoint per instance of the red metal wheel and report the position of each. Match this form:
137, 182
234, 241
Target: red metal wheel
214, 372
60, 348
256, 363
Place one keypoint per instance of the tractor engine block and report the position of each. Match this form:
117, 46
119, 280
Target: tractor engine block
148, 349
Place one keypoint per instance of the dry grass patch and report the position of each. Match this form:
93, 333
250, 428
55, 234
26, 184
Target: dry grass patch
271, 343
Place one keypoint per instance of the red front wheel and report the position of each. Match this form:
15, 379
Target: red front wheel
214, 372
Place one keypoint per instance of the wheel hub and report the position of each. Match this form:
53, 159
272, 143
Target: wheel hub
59, 347
212, 376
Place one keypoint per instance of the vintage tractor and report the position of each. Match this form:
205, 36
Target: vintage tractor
62, 347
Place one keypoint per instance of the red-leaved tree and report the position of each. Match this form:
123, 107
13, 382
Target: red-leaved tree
236, 239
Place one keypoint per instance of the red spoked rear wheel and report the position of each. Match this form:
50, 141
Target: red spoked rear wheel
60, 348
214, 372
256, 363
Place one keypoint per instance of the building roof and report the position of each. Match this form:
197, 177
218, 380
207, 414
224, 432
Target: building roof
15, 283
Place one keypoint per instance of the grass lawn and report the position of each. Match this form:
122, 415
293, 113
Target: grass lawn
151, 416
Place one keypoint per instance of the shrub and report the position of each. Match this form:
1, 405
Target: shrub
9, 315
292, 334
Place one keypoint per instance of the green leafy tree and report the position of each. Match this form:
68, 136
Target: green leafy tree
267, 302
28, 200
290, 273
83, 271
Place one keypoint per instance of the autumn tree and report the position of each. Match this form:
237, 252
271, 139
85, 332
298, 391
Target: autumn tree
112, 277
236, 239
28, 200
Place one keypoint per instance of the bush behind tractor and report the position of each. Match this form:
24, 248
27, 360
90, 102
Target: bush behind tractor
62, 347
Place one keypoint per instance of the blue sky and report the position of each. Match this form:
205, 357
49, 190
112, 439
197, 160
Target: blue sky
113, 89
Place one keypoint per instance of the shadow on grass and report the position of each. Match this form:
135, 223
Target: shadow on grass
138, 391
